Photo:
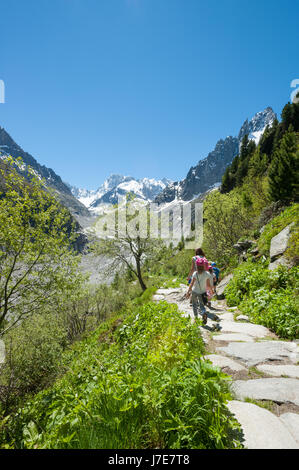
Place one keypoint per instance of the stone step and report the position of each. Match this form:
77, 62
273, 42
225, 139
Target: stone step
256, 353
279, 390
222, 361
257, 331
233, 337
291, 421
279, 371
261, 428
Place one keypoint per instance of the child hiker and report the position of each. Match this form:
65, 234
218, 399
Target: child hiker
198, 254
200, 280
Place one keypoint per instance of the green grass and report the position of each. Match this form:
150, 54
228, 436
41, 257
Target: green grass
266, 404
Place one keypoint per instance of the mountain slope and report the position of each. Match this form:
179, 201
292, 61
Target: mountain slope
9, 147
209, 171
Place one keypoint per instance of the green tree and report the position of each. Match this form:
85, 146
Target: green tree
227, 181
283, 172
235, 164
37, 265
290, 116
226, 220
258, 164
267, 139
247, 149
128, 246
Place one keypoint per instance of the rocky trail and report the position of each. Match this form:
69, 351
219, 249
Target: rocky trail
264, 370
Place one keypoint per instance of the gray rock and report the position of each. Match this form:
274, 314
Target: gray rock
261, 428
256, 353
279, 390
291, 421
227, 316
242, 318
281, 261
172, 290
222, 285
279, 371
222, 361
157, 298
279, 243
233, 337
257, 331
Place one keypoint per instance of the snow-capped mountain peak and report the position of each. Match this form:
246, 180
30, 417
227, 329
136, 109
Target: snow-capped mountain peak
257, 125
118, 186
207, 174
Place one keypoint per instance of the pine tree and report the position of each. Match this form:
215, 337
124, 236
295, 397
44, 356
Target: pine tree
227, 184
258, 164
290, 116
235, 164
284, 169
248, 148
267, 140
244, 148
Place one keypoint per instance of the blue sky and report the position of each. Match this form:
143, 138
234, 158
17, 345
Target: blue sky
140, 87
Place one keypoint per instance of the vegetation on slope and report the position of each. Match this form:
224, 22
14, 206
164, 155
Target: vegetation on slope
140, 382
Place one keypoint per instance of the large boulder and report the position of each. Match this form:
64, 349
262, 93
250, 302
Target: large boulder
279, 243
222, 285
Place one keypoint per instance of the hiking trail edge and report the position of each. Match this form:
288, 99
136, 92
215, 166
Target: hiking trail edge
263, 368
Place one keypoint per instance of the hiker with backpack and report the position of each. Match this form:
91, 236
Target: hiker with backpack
200, 281
198, 254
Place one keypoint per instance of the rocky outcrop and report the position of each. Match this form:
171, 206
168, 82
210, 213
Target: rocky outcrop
208, 173
9, 147
279, 243
222, 285
278, 246
205, 175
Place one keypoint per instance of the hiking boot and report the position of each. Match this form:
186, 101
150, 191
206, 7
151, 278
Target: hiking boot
204, 318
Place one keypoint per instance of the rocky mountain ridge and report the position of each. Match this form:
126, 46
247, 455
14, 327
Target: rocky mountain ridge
118, 186
9, 147
209, 171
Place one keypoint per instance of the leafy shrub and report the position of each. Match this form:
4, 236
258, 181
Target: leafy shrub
269, 298
33, 353
137, 382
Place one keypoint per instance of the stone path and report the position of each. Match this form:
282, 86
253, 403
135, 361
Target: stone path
264, 369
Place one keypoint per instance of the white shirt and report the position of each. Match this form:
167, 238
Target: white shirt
201, 287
